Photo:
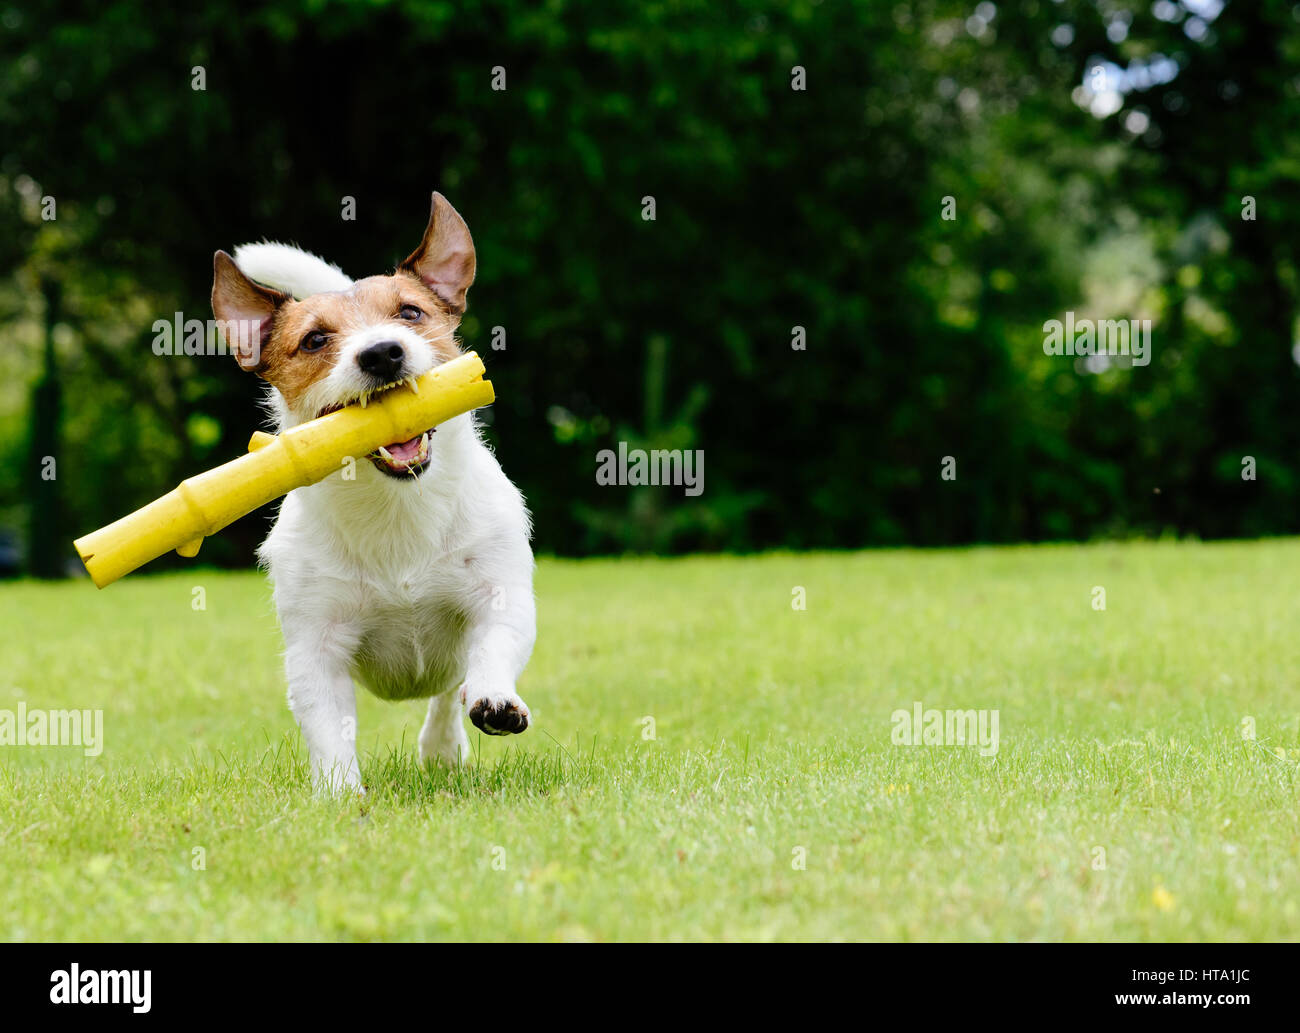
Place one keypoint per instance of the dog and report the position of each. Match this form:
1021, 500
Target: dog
409, 571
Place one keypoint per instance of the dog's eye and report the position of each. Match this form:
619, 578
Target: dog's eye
314, 341
410, 312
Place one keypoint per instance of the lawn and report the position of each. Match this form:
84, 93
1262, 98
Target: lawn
706, 761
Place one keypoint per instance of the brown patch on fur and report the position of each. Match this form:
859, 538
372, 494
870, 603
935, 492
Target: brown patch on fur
434, 279
376, 299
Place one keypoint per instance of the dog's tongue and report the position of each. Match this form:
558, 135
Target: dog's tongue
405, 451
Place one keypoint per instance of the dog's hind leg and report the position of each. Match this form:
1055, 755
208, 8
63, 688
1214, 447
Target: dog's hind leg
443, 736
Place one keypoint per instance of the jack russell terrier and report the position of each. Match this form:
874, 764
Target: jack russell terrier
411, 572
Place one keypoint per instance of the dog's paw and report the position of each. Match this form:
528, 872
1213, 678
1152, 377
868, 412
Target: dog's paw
507, 715
337, 782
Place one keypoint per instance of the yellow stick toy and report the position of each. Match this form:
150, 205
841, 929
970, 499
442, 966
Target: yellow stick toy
278, 463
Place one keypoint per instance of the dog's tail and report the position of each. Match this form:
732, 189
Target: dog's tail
290, 269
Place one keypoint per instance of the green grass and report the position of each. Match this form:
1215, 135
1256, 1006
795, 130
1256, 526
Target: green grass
1120, 730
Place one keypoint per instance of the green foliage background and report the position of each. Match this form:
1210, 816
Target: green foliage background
776, 208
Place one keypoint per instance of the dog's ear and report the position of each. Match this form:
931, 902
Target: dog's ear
445, 258
244, 310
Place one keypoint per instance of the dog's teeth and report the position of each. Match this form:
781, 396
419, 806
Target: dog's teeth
414, 386
424, 443
388, 456
365, 397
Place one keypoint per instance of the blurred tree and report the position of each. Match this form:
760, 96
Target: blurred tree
45, 531
798, 156
1206, 99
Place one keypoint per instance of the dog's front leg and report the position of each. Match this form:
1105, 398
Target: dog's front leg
501, 637
323, 700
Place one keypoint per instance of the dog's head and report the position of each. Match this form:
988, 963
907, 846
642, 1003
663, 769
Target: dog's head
328, 350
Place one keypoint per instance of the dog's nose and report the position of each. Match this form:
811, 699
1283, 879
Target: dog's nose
382, 360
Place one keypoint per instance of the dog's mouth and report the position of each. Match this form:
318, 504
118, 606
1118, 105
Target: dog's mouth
399, 458
403, 458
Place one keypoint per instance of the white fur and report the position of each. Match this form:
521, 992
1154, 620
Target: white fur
290, 269
414, 587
